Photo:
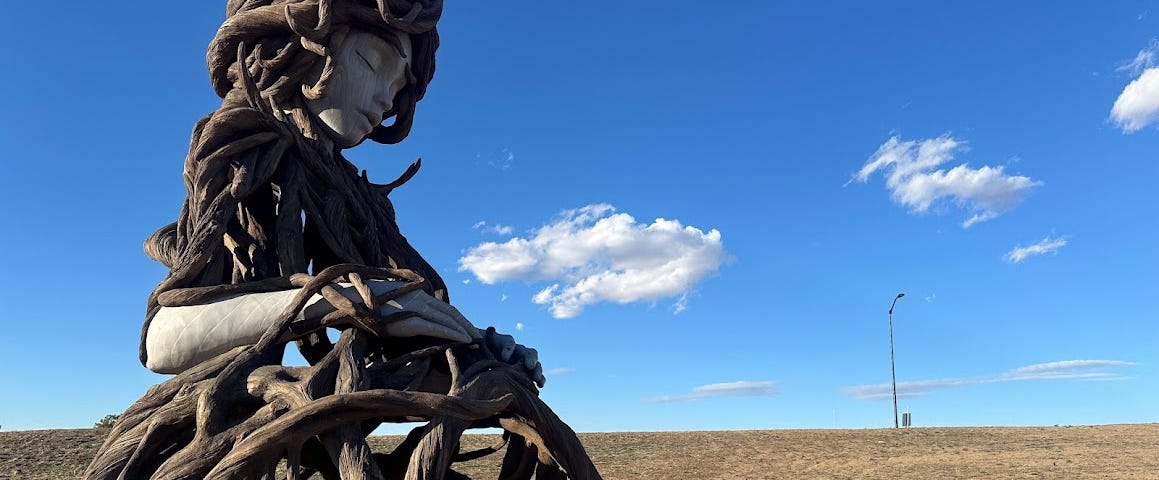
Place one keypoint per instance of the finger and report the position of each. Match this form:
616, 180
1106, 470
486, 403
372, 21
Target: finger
379, 287
454, 313
530, 358
450, 310
538, 377
504, 344
418, 326
424, 305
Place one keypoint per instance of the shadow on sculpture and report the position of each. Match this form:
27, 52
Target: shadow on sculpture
280, 241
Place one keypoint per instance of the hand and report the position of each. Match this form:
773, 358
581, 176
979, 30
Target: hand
508, 351
432, 317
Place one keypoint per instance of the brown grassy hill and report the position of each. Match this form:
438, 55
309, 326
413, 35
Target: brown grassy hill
1110, 451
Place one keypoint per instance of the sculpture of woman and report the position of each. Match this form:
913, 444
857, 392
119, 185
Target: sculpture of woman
281, 238
269, 193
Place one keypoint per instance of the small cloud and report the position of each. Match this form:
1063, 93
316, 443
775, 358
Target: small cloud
593, 254
1138, 105
503, 160
482, 226
680, 305
1045, 246
519, 326
1143, 60
917, 389
558, 371
915, 178
931, 297
1067, 370
730, 389
1081, 370
466, 281
503, 297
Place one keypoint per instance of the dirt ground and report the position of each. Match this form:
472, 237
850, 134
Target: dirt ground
1110, 451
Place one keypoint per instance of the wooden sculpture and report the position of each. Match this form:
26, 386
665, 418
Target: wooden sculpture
281, 240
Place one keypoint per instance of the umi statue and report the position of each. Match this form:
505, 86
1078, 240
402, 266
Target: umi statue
281, 241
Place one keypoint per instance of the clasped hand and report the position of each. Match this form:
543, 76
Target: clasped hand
435, 318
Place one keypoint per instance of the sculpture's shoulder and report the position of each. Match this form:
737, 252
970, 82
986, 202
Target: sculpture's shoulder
233, 129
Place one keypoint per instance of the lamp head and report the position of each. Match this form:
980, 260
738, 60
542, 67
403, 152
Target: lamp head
900, 295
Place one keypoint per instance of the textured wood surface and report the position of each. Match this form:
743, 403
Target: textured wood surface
273, 205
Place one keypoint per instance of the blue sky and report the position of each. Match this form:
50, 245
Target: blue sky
809, 161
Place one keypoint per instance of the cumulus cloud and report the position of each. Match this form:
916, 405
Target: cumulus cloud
916, 178
1090, 370
1138, 105
594, 254
520, 326
729, 389
1042, 247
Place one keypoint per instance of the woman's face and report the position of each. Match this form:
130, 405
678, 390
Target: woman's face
369, 73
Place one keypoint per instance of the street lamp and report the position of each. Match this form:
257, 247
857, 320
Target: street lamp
892, 372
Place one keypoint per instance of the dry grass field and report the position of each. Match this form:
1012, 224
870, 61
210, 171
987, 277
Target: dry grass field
1110, 451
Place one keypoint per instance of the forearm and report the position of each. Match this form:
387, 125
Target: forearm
181, 337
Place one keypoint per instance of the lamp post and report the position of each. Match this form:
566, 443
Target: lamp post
892, 372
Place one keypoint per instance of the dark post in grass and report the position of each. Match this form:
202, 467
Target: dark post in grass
892, 372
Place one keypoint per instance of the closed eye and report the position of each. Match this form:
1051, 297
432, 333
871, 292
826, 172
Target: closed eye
356, 52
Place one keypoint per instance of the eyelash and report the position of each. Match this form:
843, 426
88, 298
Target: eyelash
356, 52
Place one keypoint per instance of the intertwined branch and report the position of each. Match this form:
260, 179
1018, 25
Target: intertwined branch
243, 414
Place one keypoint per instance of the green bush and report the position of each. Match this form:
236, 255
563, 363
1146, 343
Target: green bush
107, 422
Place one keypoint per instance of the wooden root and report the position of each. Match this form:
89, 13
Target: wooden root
243, 414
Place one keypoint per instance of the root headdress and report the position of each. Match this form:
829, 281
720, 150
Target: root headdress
265, 197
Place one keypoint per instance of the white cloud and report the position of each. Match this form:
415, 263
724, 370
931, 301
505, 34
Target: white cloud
915, 179
931, 297
466, 281
558, 371
916, 389
502, 160
1138, 105
1143, 60
519, 326
593, 254
681, 304
1042, 247
730, 389
1062, 370
503, 298
482, 226
1066, 370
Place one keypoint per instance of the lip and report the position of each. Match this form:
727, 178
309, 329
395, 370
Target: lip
374, 119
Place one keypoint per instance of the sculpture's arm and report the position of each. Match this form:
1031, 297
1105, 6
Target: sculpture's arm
181, 337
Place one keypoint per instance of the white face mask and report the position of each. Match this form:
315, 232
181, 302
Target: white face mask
369, 73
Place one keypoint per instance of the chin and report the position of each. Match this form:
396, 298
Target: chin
348, 142
349, 137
